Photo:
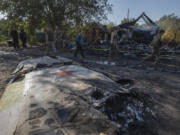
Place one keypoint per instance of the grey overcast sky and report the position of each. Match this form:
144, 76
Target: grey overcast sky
153, 8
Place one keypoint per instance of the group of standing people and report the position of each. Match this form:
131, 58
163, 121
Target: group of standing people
15, 36
52, 38
155, 45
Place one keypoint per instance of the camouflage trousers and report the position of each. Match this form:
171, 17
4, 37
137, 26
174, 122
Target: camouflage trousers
113, 52
154, 56
51, 47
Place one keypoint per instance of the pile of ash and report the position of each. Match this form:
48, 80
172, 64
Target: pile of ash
132, 114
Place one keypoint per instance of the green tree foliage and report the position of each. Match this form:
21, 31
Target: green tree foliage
110, 26
171, 24
3, 30
67, 14
54, 12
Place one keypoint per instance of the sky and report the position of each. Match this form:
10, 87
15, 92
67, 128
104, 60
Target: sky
153, 8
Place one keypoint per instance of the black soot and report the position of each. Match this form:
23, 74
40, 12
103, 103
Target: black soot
131, 113
125, 82
97, 95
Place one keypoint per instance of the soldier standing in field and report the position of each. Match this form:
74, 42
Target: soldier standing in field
50, 41
156, 45
114, 44
57, 37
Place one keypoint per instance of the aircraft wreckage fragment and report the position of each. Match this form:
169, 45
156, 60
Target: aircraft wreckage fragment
68, 100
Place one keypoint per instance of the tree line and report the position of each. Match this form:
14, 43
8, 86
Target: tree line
171, 24
69, 15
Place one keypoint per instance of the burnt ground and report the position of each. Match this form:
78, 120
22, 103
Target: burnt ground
9, 61
164, 89
161, 82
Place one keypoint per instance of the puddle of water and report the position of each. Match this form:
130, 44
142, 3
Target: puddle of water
132, 116
105, 63
102, 62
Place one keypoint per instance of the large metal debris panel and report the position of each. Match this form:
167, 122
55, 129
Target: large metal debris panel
58, 101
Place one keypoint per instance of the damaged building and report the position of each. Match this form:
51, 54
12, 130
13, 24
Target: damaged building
96, 33
138, 33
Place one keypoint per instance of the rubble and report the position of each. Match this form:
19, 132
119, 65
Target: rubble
138, 34
8, 55
130, 115
34, 63
29, 65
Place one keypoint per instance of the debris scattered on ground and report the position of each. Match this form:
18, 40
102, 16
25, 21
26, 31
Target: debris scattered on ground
116, 106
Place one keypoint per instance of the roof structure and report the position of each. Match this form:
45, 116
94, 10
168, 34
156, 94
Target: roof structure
152, 26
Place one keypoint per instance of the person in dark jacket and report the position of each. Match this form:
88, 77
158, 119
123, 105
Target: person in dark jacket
79, 39
23, 37
14, 35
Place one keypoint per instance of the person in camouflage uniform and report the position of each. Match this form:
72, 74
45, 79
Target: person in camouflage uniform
114, 43
58, 38
156, 45
50, 41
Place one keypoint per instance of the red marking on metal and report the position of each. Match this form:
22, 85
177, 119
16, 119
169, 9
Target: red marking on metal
63, 73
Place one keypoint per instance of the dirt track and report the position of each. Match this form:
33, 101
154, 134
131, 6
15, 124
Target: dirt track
162, 84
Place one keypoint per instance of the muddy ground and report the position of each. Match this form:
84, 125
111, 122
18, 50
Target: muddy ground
161, 82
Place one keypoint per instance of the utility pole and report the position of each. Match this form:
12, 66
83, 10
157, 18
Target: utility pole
128, 15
